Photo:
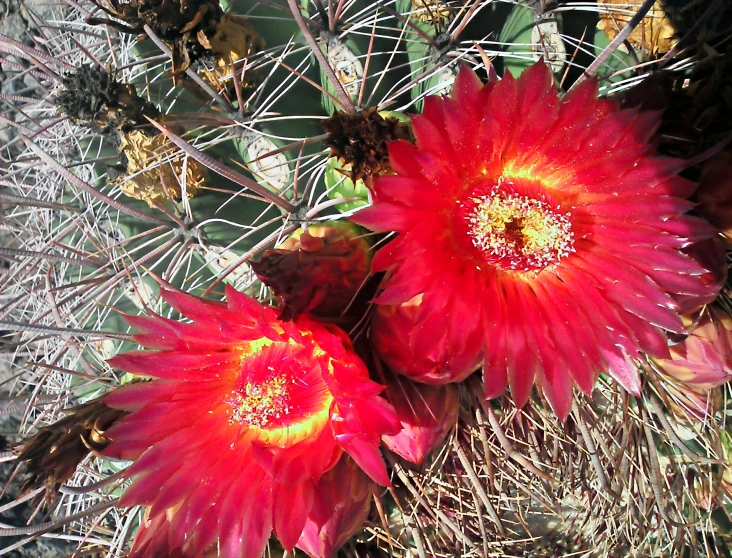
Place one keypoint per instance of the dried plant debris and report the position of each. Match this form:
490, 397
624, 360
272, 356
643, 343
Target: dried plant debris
193, 29
55, 451
151, 168
437, 12
360, 140
513, 482
92, 97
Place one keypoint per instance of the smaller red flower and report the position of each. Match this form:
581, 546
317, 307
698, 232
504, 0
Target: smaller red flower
427, 414
342, 503
244, 416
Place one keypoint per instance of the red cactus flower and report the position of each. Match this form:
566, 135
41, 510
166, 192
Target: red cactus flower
243, 417
542, 231
427, 414
342, 503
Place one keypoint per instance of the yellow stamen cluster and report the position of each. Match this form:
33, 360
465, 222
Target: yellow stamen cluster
257, 404
519, 233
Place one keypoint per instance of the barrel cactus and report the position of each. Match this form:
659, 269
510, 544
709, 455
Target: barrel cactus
205, 194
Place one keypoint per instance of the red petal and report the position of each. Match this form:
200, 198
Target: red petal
291, 508
366, 454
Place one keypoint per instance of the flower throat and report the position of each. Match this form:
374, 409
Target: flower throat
517, 232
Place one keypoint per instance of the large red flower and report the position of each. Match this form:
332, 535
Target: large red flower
542, 232
245, 415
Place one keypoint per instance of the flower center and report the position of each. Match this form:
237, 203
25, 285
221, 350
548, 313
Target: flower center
279, 394
517, 232
259, 404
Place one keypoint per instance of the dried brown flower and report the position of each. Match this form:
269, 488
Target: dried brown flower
436, 12
234, 40
193, 29
150, 164
55, 451
360, 140
92, 97
654, 34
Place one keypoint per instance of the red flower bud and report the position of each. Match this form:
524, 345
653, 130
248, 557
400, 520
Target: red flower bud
317, 270
341, 505
421, 353
704, 359
427, 414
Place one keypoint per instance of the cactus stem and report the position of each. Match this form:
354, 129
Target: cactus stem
455, 33
321, 10
506, 443
76, 181
407, 21
64, 331
246, 256
655, 474
11, 45
90, 377
343, 99
655, 406
87, 488
592, 451
37, 530
462, 456
369, 52
447, 524
223, 170
30, 202
311, 82
19, 252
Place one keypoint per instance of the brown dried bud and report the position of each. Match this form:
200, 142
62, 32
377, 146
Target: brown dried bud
360, 140
93, 98
182, 24
317, 270
151, 161
654, 34
55, 451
